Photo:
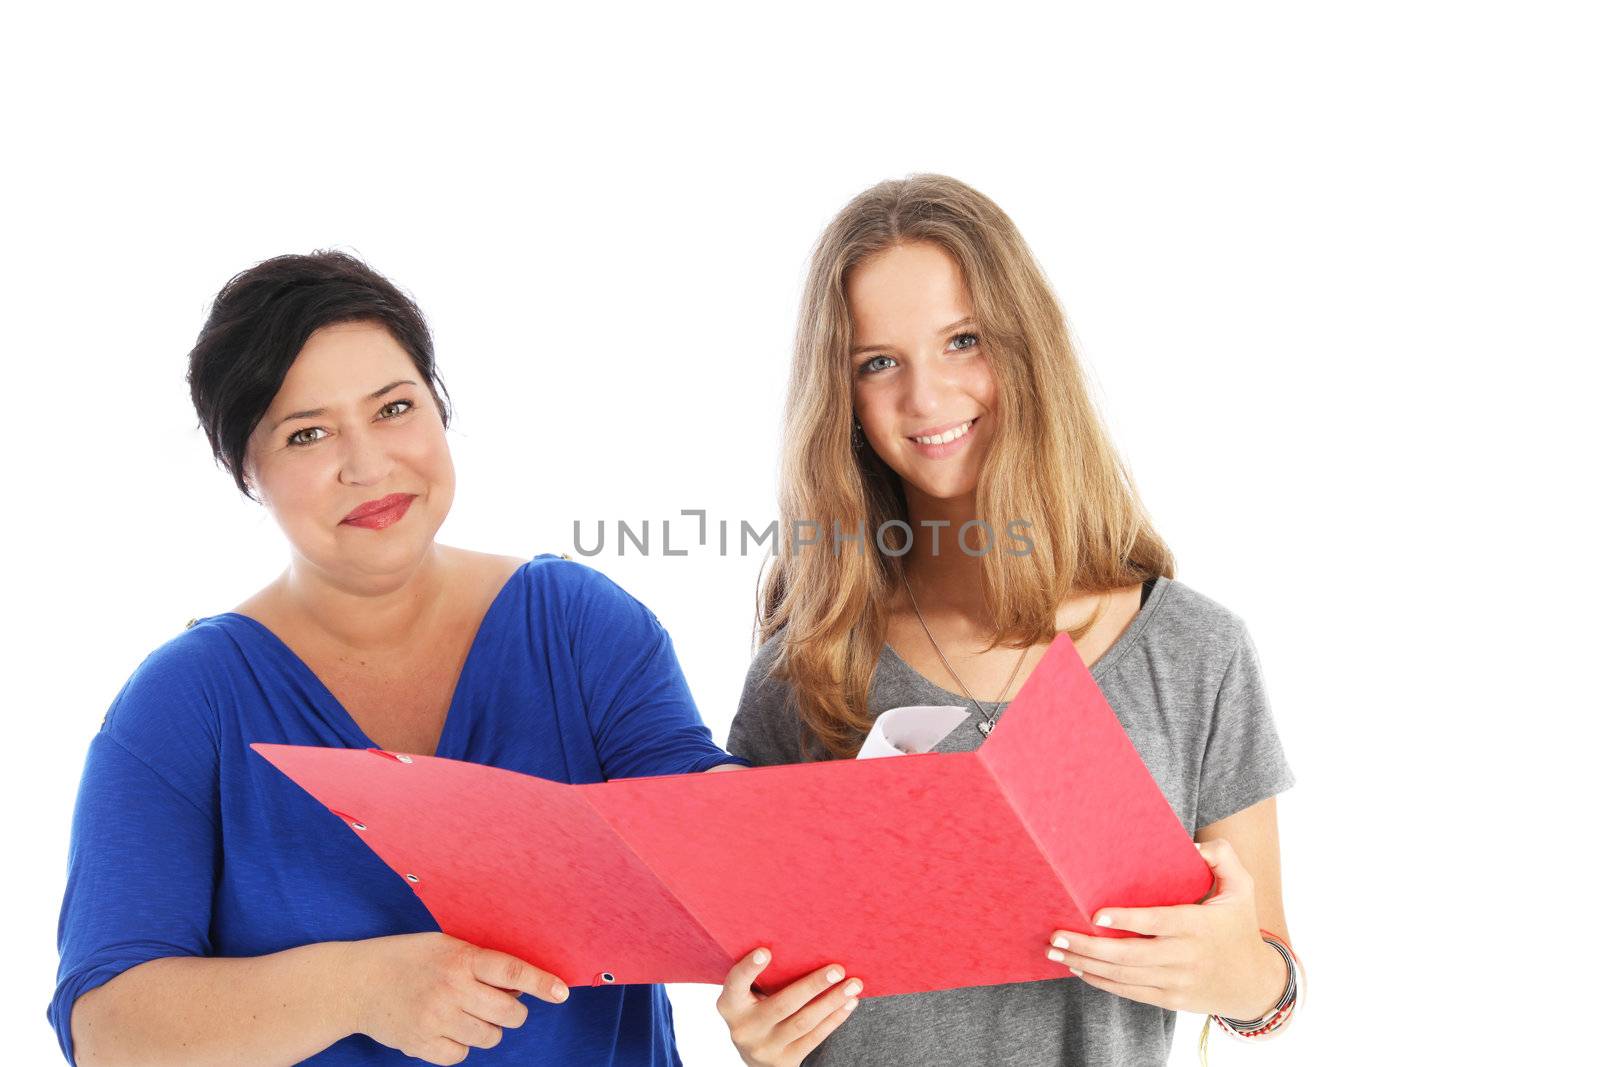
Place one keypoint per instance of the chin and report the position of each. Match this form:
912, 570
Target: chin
944, 488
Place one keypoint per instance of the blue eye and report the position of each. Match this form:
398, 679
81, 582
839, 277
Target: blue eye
972, 336
868, 368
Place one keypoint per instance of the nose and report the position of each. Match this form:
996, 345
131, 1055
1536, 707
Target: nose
925, 388
364, 460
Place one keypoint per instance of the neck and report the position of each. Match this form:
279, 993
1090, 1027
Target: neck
951, 579
367, 613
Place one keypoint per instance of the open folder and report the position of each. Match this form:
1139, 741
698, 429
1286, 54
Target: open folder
915, 873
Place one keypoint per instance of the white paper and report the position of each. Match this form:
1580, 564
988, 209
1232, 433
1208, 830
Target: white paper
903, 731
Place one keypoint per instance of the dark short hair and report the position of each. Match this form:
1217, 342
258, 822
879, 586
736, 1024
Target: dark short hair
261, 319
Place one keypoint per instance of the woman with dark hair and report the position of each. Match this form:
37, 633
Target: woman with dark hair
217, 913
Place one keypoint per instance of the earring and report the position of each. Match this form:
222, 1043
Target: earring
857, 438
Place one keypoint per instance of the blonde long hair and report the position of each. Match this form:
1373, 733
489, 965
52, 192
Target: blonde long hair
1051, 461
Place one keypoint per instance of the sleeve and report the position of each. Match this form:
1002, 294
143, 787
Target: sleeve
1244, 762
766, 729
641, 713
142, 860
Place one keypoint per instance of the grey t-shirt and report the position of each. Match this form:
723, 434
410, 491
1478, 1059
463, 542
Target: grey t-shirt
1186, 684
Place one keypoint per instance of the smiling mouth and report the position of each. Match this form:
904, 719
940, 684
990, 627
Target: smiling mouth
380, 506
955, 433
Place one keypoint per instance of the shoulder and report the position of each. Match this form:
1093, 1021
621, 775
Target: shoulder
596, 617
767, 728
1203, 649
1191, 628
186, 665
557, 571
767, 655
762, 687
574, 587
166, 713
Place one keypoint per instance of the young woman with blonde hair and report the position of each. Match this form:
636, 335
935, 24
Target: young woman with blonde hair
969, 507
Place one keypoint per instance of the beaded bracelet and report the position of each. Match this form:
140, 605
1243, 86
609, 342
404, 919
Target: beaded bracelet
1241, 1027
1280, 1014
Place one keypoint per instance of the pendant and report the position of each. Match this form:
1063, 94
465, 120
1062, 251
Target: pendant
984, 726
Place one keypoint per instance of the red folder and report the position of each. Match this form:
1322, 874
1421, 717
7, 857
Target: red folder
914, 872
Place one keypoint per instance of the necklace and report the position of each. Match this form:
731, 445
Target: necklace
987, 722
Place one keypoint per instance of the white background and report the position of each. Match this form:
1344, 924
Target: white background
1333, 270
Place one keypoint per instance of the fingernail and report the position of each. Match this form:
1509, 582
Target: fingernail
1057, 955
850, 1005
559, 991
1060, 941
761, 955
834, 974
1075, 971
1197, 847
1103, 919
852, 987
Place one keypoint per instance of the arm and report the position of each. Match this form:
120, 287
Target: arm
429, 995
275, 1009
140, 981
1207, 957
1244, 761
1210, 957
641, 714
1253, 833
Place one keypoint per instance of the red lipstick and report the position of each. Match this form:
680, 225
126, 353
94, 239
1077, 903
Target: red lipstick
376, 514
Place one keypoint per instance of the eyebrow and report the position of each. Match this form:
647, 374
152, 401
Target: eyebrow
856, 350
314, 412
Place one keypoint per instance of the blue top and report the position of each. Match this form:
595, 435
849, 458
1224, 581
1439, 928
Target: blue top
569, 678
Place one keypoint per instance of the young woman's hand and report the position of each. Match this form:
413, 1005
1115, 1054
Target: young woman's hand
780, 1030
1207, 958
435, 997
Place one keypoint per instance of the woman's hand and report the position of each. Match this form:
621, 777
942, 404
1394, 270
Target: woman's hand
780, 1030
1207, 958
434, 997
